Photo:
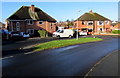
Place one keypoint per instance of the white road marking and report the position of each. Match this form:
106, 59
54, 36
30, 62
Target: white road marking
7, 57
28, 53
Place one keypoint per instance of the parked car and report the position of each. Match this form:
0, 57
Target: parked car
63, 33
14, 34
4, 33
25, 34
83, 33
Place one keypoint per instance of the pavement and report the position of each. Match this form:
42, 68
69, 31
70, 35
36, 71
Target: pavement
107, 66
16, 47
74, 60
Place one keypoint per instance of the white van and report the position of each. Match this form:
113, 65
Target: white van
63, 33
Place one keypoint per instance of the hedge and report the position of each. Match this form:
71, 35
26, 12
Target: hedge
116, 31
42, 33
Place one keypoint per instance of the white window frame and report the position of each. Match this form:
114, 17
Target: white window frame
106, 22
28, 21
41, 21
17, 26
51, 25
29, 31
90, 22
83, 22
100, 24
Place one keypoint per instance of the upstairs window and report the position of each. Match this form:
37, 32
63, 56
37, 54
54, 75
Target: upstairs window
40, 22
107, 22
83, 22
51, 25
30, 22
90, 23
100, 23
17, 26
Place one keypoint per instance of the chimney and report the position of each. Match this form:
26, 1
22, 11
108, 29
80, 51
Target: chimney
90, 11
32, 8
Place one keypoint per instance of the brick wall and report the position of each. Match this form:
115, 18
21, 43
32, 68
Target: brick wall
36, 26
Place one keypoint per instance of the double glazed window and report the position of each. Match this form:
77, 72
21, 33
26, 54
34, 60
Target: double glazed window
30, 31
100, 23
107, 22
30, 22
90, 23
40, 22
51, 25
90, 30
17, 26
83, 22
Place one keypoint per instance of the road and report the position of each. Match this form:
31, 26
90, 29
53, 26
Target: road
67, 61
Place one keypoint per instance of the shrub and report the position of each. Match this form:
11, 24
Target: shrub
42, 33
116, 31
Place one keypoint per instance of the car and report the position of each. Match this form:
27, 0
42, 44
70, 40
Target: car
25, 34
83, 33
63, 33
14, 34
4, 33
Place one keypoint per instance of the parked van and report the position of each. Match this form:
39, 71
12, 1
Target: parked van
63, 33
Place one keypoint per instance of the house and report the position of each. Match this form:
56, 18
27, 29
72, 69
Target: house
115, 26
93, 23
3, 31
30, 19
2, 25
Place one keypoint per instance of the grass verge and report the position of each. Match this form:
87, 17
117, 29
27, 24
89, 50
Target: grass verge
63, 43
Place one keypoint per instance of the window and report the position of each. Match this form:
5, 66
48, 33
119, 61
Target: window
84, 29
100, 23
107, 22
30, 31
17, 26
83, 22
40, 22
75, 24
90, 30
30, 22
51, 25
90, 23
61, 31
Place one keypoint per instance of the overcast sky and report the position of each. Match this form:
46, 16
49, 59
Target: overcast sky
62, 11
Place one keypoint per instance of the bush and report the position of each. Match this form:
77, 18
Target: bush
116, 31
42, 33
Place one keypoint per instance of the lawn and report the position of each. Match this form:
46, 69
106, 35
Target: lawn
63, 43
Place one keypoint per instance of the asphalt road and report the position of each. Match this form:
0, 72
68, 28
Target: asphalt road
68, 61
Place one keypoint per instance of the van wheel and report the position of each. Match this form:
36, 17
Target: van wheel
58, 36
70, 36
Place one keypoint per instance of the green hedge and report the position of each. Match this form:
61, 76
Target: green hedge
42, 33
116, 31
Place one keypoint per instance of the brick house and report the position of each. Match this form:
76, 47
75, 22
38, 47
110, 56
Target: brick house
30, 19
93, 23
2, 25
115, 26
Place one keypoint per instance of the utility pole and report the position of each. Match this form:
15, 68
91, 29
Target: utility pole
77, 26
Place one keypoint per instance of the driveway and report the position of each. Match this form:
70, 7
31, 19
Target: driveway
67, 61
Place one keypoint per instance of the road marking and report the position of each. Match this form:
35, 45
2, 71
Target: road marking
101, 60
7, 57
28, 53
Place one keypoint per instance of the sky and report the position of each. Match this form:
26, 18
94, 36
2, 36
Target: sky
62, 11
